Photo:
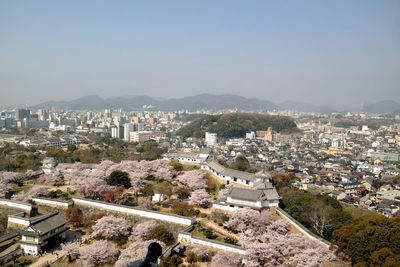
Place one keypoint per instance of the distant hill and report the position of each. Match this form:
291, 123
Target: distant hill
236, 125
382, 107
197, 102
304, 107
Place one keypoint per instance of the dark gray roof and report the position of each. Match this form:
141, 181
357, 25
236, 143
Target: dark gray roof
245, 194
271, 194
262, 185
46, 223
253, 194
191, 155
231, 172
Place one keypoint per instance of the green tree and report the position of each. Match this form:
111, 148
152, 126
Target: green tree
360, 240
71, 148
161, 233
119, 178
377, 183
242, 163
176, 165
173, 261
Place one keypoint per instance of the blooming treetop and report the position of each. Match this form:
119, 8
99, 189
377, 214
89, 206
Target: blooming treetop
110, 226
134, 252
193, 179
98, 253
34, 191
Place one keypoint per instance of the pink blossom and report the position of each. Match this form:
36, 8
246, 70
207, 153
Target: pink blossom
223, 193
98, 253
34, 191
225, 259
193, 179
202, 252
110, 226
71, 249
136, 251
247, 219
201, 197
142, 230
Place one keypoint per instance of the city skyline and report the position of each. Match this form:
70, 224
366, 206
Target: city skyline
331, 52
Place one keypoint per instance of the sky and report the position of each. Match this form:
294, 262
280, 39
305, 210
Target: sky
339, 52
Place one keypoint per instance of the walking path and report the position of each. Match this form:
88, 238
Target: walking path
219, 229
49, 258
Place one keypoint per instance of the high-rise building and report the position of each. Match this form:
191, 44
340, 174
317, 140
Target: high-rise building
43, 114
107, 113
21, 114
128, 127
131, 127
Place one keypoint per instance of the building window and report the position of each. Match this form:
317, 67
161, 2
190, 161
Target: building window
234, 179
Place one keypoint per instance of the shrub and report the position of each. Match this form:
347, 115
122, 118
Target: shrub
183, 209
209, 234
119, 178
176, 165
161, 233
171, 261
230, 240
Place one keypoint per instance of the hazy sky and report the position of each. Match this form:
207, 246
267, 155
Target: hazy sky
311, 51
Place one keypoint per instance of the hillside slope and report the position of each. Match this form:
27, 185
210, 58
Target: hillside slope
236, 125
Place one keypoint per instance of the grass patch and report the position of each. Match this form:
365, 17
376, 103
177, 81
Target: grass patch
198, 231
17, 189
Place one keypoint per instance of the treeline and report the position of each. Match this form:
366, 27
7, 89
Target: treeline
371, 123
364, 237
108, 148
236, 125
17, 158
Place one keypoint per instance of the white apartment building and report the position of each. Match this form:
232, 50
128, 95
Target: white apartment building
211, 139
140, 137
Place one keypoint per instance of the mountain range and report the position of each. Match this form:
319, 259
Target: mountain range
206, 102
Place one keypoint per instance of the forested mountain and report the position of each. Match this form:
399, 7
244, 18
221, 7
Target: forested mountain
236, 125
197, 102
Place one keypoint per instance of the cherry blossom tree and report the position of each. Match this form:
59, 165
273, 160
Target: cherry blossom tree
55, 178
201, 197
246, 219
263, 254
98, 253
278, 226
275, 249
223, 193
312, 257
113, 194
109, 226
203, 253
146, 203
141, 230
71, 250
34, 191
225, 259
135, 251
78, 176
8, 180
93, 188
193, 179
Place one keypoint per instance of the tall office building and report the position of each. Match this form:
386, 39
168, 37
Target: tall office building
131, 127
43, 114
128, 127
21, 114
